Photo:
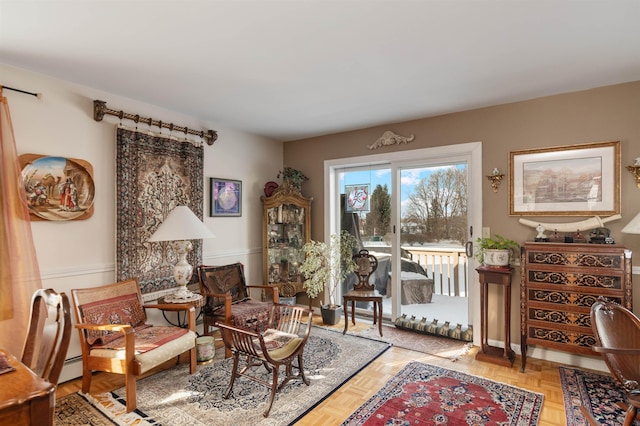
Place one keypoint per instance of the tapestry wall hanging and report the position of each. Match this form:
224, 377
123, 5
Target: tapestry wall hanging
154, 174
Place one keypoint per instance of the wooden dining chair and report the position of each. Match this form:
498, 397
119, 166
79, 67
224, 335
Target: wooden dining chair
48, 336
617, 333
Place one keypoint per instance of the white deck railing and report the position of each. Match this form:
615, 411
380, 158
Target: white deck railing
447, 266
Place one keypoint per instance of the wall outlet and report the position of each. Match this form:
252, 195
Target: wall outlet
486, 232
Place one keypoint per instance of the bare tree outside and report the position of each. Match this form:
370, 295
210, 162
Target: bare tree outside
436, 210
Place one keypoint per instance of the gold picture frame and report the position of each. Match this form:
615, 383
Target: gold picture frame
570, 180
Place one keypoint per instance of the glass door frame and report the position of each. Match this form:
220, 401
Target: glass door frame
470, 152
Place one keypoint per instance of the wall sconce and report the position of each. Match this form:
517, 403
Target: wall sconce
496, 178
635, 171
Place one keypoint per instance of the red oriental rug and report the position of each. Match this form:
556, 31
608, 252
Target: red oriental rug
422, 394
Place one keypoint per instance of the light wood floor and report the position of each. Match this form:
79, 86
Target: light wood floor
540, 376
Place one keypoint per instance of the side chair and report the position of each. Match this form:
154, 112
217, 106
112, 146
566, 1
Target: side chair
363, 290
115, 337
48, 336
281, 344
228, 299
617, 333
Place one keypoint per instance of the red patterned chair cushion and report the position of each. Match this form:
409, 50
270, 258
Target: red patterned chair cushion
249, 314
125, 309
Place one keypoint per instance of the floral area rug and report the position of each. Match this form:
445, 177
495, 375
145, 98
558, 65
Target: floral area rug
78, 409
174, 397
426, 394
587, 393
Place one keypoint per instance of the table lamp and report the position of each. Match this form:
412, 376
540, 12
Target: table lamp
180, 226
633, 227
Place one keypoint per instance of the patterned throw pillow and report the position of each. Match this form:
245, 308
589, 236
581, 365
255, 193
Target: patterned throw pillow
125, 309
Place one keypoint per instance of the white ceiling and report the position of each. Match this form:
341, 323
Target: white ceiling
291, 69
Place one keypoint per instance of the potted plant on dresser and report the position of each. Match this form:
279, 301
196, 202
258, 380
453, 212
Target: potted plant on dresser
496, 251
325, 267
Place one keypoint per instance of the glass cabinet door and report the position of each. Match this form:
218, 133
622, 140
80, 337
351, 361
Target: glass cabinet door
286, 228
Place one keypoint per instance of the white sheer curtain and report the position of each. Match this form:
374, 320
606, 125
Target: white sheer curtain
19, 271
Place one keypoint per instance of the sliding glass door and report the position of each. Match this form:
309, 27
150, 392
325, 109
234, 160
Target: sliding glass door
411, 210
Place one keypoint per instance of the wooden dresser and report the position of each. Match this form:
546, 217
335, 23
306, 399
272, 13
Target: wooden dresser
559, 283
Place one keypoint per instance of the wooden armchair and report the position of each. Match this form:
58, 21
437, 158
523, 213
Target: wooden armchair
49, 333
115, 337
228, 299
280, 344
617, 333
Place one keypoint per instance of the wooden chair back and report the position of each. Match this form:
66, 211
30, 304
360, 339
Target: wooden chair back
367, 265
617, 334
48, 335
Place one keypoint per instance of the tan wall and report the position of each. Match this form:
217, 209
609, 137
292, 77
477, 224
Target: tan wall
601, 114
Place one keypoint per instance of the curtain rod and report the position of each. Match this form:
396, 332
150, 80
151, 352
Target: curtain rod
37, 95
100, 109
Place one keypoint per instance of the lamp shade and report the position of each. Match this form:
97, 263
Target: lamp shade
181, 224
633, 227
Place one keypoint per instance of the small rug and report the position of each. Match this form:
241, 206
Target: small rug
597, 394
174, 397
443, 347
78, 409
426, 394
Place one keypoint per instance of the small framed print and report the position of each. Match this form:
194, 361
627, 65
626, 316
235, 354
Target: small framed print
225, 197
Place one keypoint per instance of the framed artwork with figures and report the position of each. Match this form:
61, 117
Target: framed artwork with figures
225, 197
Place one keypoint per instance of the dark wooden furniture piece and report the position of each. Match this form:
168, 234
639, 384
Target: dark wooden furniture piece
115, 337
49, 333
25, 398
281, 344
617, 333
559, 284
363, 290
500, 276
286, 227
182, 317
228, 299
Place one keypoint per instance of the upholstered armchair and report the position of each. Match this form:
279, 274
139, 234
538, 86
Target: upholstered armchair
228, 299
115, 336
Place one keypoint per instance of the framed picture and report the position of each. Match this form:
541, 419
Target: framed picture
357, 198
572, 180
225, 197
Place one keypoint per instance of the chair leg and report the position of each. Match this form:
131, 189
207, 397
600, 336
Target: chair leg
130, 384
192, 360
234, 373
86, 380
632, 412
274, 387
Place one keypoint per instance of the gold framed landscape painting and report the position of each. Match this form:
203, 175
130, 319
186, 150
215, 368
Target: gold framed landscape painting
571, 180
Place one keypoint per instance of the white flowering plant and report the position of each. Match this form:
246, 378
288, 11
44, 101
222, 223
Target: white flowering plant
327, 265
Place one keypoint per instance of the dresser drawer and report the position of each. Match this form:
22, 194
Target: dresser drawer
536, 296
563, 339
576, 258
576, 278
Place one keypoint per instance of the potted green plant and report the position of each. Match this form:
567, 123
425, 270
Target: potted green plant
495, 251
325, 267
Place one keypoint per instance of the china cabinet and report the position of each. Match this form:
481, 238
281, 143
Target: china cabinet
286, 228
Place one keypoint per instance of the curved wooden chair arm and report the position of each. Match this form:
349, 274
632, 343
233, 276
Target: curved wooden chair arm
274, 290
240, 339
191, 311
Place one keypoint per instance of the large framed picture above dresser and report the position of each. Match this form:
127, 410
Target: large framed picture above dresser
559, 283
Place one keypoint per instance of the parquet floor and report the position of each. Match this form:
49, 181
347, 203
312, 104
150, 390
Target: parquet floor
540, 376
